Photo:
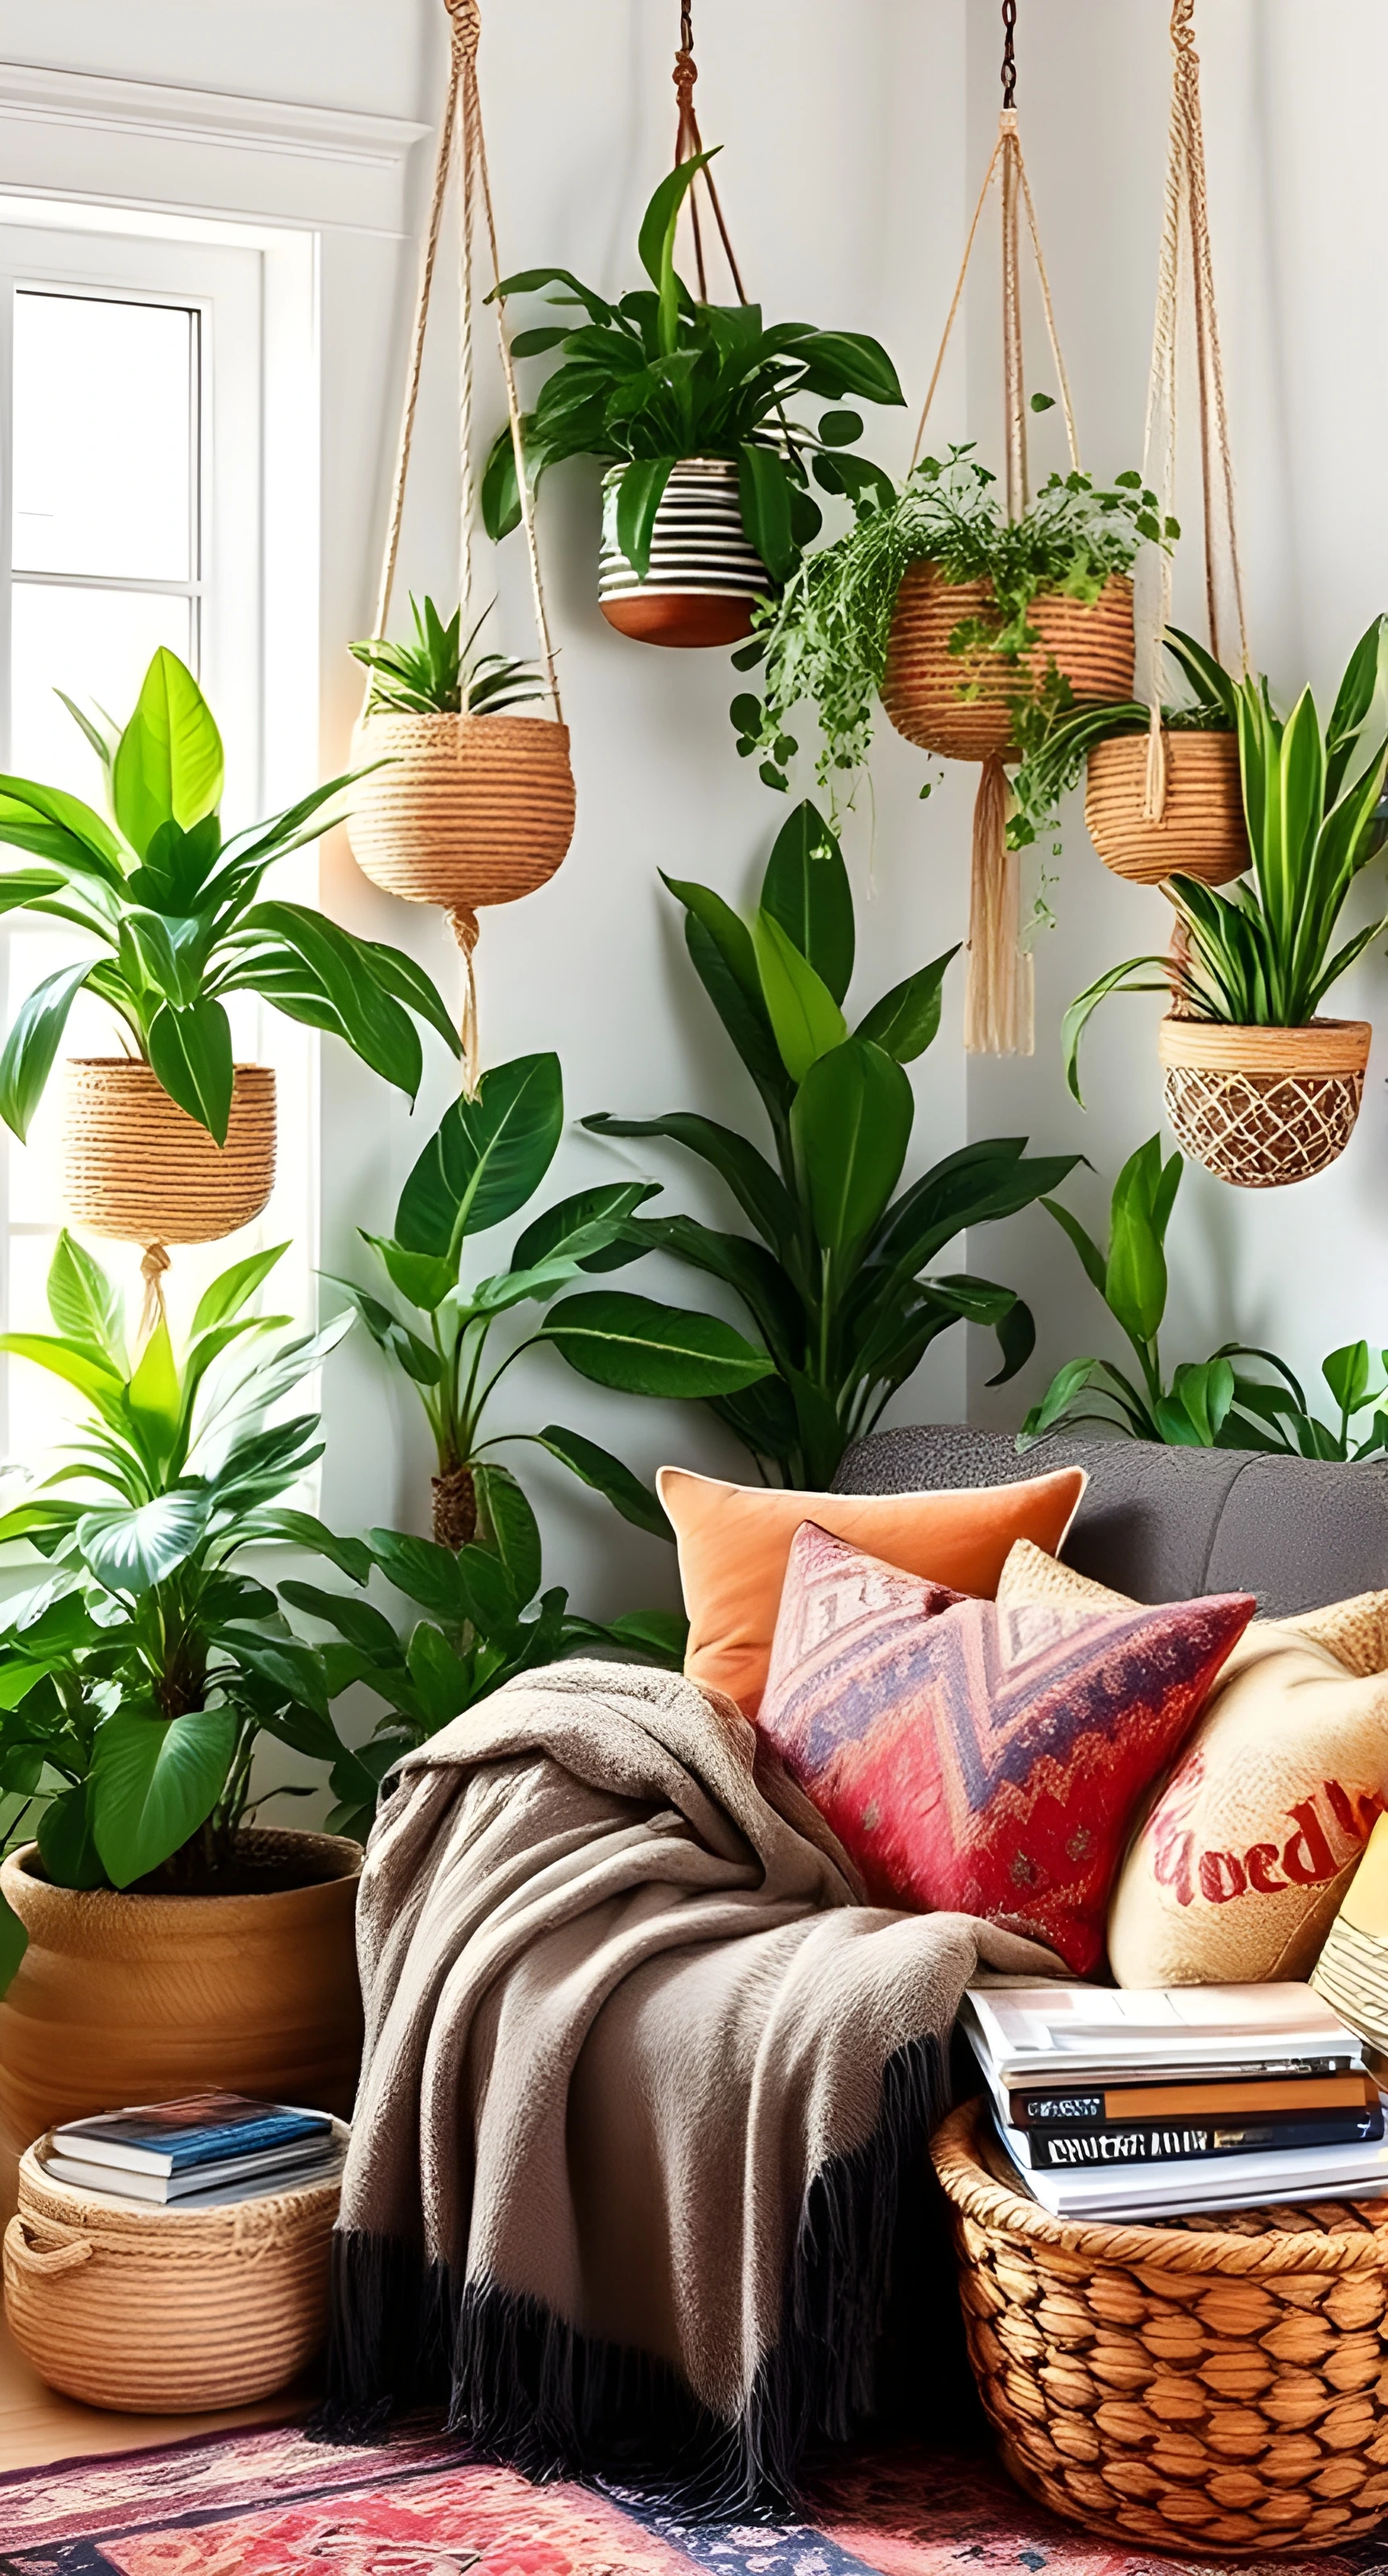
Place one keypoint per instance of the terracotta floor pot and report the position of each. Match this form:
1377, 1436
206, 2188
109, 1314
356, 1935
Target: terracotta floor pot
137, 1998
135, 1166
469, 810
155, 2311
1202, 832
921, 688
705, 576
1263, 1107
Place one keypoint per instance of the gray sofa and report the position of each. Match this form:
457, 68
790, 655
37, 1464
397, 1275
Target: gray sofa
1168, 1524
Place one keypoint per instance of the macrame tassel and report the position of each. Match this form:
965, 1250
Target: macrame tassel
998, 1007
466, 930
152, 1268
1154, 792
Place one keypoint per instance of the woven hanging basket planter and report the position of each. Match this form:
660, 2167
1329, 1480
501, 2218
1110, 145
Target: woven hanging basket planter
705, 576
1091, 644
1263, 1107
123, 1998
136, 1167
155, 2311
1201, 833
1189, 2385
471, 810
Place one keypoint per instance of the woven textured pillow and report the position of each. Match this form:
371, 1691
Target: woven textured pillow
979, 1759
1247, 1845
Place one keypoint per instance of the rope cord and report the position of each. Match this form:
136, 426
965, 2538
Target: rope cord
152, 1269
462, 122
688, 144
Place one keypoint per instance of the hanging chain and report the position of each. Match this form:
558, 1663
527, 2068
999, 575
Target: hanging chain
1009, 58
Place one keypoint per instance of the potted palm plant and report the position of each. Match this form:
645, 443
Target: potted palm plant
706, 501
1258, 1086
153, 1938
173, 1142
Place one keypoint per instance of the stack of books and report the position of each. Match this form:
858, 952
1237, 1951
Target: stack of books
197, 2152
1146, 2103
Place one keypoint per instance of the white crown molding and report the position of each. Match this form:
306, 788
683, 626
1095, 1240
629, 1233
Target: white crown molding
85, 134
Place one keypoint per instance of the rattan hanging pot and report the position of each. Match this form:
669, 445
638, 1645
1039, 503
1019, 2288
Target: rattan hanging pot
1199, 2384
1263, 1107
162, 2311
959, 704
1201, 832
136, 1167
469, 810
705, 575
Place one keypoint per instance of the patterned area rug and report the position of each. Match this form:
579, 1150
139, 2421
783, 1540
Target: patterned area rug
272, 2504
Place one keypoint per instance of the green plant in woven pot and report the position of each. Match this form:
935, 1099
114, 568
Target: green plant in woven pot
1189, 779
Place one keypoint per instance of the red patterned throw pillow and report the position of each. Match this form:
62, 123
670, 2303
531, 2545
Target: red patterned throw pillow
982, 1760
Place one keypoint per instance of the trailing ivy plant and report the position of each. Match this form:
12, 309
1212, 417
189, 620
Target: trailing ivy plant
1057, 746
657, 376
836, 1275
439, 673
484, 1163
824, 642
1218, 1403
173, 918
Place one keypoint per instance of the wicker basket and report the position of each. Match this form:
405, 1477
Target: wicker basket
137, 1167
1191, 2385
1202, 832
1092, 645
167, 2311
705, 575
469, 810
1263, 1107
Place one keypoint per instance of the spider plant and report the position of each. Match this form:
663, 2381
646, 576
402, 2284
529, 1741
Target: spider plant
1056, 746
440, 675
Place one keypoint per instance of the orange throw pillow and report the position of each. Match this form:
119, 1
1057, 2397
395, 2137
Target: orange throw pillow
735, 1542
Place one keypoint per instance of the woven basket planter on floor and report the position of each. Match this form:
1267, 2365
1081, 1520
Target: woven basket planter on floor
1091, 644
123, 1998
470, 809
1202, 832
705, 575
1263, 1107
1209, 2385
136, 1167
167, 2311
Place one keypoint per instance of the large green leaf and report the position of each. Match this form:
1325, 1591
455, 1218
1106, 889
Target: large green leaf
190, 1051
802, 1010
423, 1571
129, 1551
274, 1525
806, 890
313, 970
418, 1358
514, 1530
168, 765
640, 1347
485, 1159
851, 1125
907, 1019
1135, 1279
93, 1377
655, 243
33, 1042
758, 1188
53, 825
66, 1845
421, 1277
639, 496
84, 1305
608, 1476
764, 490
231, 1289
154, 1395
589, 1222
154, 1781
725, 961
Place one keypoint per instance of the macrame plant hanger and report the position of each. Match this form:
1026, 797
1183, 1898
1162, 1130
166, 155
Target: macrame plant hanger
461, 138
998, 1001
688, 145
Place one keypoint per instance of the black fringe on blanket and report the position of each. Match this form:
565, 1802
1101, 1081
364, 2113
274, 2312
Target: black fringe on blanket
525, 2389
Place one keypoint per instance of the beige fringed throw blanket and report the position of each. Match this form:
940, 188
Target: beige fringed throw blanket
645, 2089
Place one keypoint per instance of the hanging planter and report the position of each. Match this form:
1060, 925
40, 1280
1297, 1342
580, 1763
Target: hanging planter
1263, 1107
136, 1167
704, 575
961, 704
465, 810
1201, 830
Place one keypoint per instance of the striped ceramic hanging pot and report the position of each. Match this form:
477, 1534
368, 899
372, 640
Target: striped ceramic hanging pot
705, 575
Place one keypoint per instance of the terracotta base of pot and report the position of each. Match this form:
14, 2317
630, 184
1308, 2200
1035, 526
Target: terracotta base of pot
1263, 1108
137, 1168
686, 619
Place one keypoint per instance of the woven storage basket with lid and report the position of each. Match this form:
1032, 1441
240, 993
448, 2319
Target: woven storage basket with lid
158, 2311
137, 1167
1091, 644
1263, 1107
1198, 2385
1201, 830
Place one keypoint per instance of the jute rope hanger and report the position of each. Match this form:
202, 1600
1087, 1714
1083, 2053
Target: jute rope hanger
688, 144
1186, 228
461, 130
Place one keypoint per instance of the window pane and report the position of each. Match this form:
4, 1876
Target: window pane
96, 646
102, 453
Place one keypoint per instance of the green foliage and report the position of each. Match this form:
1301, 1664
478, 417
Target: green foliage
135, 1681
175, 916
482, 1625
1057, 745
1261, 952
483, 1164
825, 641
657, 376
1218, 1403
440, 675
835, 1275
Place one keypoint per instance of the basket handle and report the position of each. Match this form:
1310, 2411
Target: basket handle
44, 2262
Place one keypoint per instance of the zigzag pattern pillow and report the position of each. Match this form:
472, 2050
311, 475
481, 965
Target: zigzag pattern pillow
975, 1759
